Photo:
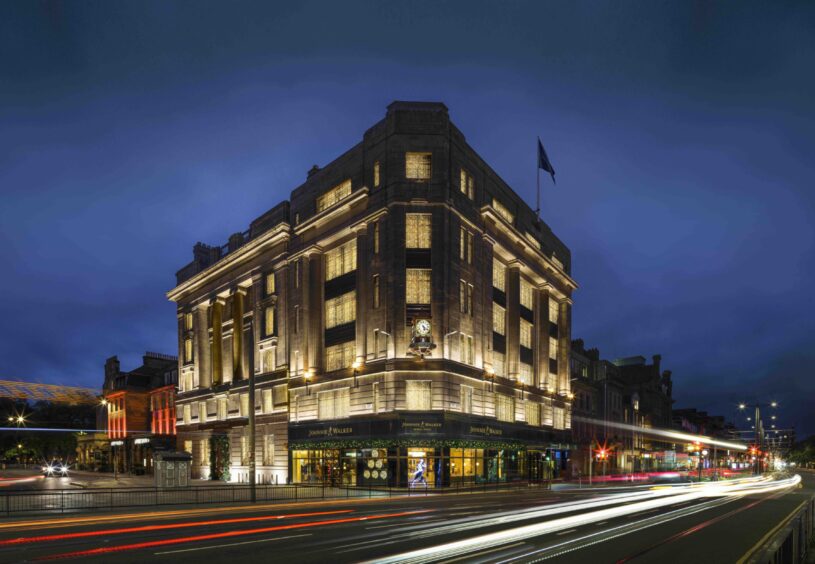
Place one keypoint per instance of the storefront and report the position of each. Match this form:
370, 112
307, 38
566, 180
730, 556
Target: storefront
433, 450
134, 455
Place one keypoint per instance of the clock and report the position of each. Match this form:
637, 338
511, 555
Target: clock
423, 327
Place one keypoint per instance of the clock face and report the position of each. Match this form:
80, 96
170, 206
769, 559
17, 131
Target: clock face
423, 327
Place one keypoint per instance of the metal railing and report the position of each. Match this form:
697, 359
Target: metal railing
790, 541
14, 502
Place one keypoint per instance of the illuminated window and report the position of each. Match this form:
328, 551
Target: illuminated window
418, 228
533, 413
465, 246
552, 348
268, 450
499, 319
465, 295
418, 286
554, 311
334, 404
268, 407
467, 184
334, 196
526, 334
526, 294
499, 275
280, 394
525, 373
188, 321
559, 421
499, 364
339, 356
418, 166
268, 321
270, 284
376, 174
503, 211
417, 395
504, 407
376, 290
466, 399
341, 310
188, 350
467, 349
532, 239
547, 413
341, 260
376, 237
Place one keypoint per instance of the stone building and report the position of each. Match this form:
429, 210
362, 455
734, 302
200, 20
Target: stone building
405, 315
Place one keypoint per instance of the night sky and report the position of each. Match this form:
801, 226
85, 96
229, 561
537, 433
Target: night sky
682, 134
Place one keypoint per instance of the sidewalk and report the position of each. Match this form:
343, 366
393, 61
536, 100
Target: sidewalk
83, 479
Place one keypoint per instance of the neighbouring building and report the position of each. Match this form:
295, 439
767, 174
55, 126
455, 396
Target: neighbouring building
405, 315
140, 411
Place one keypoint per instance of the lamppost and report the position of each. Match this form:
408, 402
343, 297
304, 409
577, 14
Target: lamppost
356, 366
759, 427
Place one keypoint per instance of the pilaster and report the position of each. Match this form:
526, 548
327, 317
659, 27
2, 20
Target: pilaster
513, 286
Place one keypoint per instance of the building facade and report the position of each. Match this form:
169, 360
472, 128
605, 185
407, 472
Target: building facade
405, 315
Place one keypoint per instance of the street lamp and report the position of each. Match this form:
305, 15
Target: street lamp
490, 371
356, 366
307, 375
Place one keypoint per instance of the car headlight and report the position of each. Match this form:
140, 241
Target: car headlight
45, 468
50, 469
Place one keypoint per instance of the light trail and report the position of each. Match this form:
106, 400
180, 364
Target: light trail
692, 493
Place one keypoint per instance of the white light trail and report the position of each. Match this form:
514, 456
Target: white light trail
667, 433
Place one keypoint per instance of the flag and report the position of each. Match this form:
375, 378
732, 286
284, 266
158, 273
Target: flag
543, 161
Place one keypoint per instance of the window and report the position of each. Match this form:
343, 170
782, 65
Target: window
341, 260
341, 310
268, 321
222, 409
559, 418
188, 321
499, 319
280, 394
467, 349
376, 237
499, 275
499, 364
244, 405
333, 404
465, 296
187, 350
526, 334
270, 284
503, 211
268, 407
296, 319
418, 286
526, 294
376, 290
465, 245
418, 166
339, 356
466, 399
533, 413
376, 174
268, 450
554, 311
546, 412
418, 228
417, 395
467, 184
187, 414
552, 348
297, 273
245, 447
334, 196
504, 407
525, 373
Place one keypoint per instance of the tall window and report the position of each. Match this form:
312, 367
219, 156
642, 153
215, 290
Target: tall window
376, 237
499, 319
223, 409
526, 334
504, 407
376, 290
268, 450
418, 285
467, 184
503, 211
418, 228
270, 284
280, 394
418, 395
334, 196
526, 294
466, 399
559, 418
533, 413
465, 246
552, 348
268, 358
187, 350
341, 260
465, 295
268, 321
499, 275
499, 363
334, 404
339, 356
268, 406
341, 310
418, 166
467, 349
525, 373
554, 311
376, 174
547, 414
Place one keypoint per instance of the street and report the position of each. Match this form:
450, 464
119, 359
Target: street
712, 522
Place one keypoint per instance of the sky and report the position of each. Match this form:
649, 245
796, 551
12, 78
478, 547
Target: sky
682, 134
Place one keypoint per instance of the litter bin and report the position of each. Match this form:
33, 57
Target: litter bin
172, 468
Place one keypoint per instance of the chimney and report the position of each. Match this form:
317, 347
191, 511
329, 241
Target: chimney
657, 359
312, 171
112, 366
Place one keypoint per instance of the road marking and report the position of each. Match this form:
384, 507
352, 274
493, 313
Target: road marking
601, 523
231, 544
565, 532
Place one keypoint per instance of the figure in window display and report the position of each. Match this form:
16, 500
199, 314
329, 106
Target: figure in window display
418, 475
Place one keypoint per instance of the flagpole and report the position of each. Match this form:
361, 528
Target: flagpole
538, 167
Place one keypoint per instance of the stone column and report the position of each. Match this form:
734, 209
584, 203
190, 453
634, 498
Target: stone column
203, 362
564, 346
541, 366
312, 287
237, 333
364, 292
258, 320
217, 342
513, 286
